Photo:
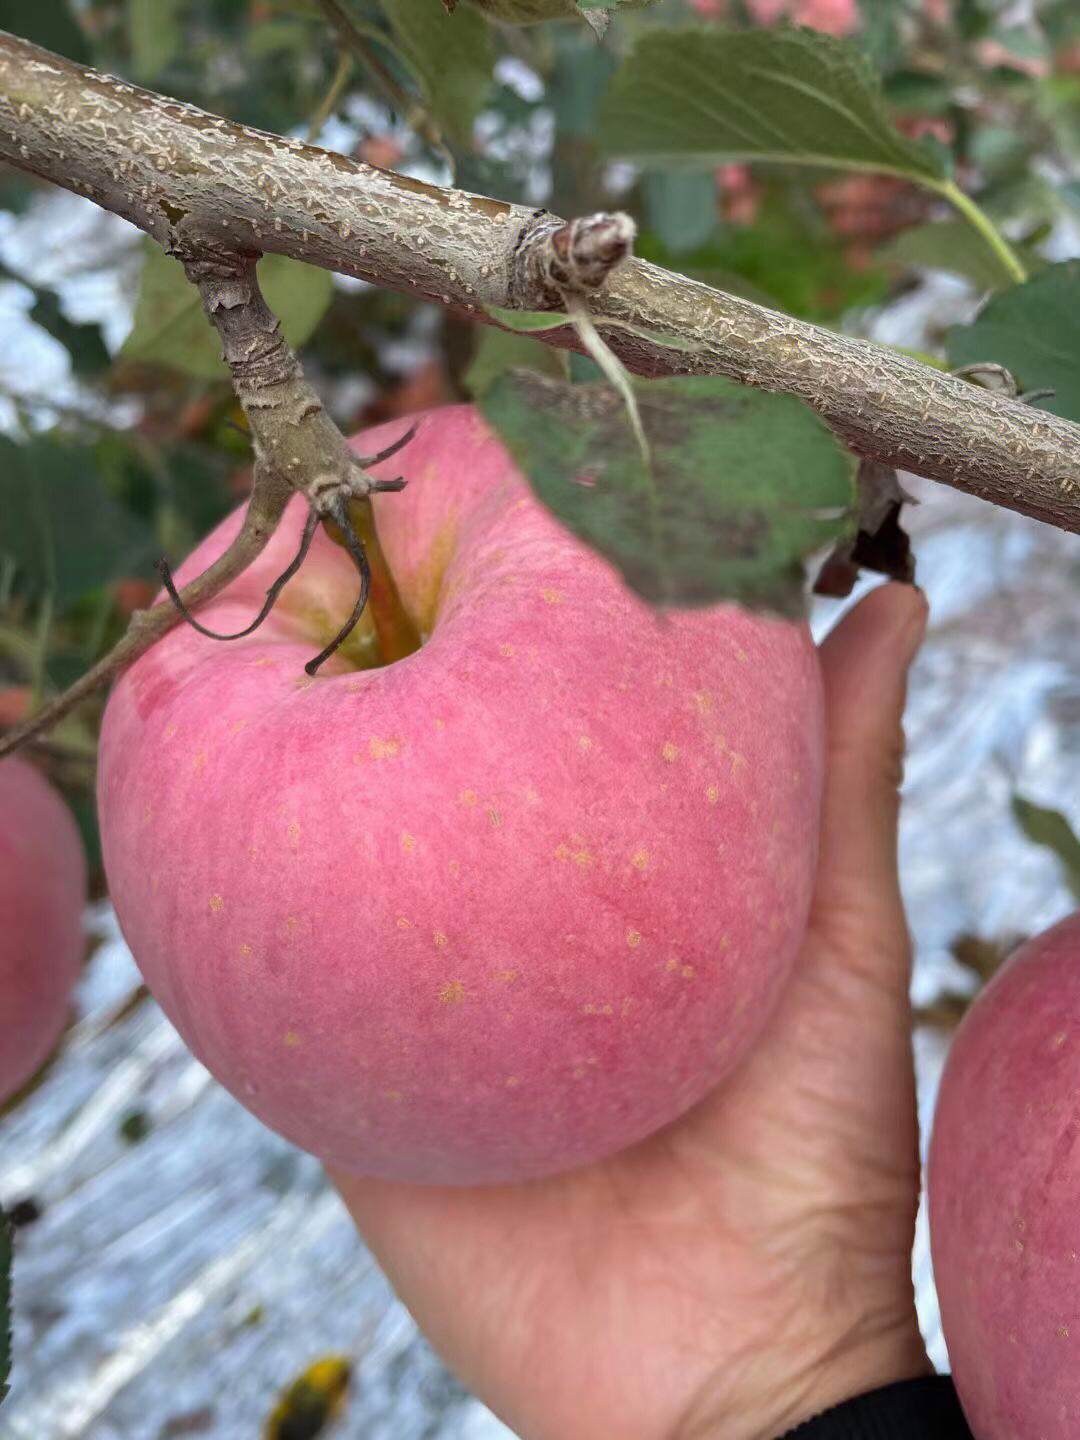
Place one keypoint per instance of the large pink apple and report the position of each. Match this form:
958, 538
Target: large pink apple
1003, 1186
42, 894
498, 908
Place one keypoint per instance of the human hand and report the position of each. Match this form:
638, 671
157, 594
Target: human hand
750, 1265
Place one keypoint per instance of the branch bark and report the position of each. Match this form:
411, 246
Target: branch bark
197, 183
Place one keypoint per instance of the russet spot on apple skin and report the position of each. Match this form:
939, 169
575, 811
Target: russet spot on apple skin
611, 821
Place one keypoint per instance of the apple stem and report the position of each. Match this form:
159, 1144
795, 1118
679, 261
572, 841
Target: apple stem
397, 635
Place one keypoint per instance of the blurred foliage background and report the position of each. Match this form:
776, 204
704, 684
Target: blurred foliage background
121, 441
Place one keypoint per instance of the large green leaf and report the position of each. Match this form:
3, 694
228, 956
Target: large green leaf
61, 530
171, 328
951, 245
1034, 331
742, 484
797, 96
453, 57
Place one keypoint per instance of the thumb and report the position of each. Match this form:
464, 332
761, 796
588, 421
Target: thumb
864, 663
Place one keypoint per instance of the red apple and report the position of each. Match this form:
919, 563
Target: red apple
1003, 1186
42, 895
497, 908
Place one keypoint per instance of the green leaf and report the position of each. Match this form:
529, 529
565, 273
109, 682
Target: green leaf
742, 486
950, 245
797, 96
171, 328
155, 34
5, 1306
89, 355
1034, 331
49, 23
529, 322
497, 352
62, 531
681, 207
526, 12
453, 57
1051, 829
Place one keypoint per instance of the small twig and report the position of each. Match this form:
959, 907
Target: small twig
351, 35
271, 594
338, 511
265, 508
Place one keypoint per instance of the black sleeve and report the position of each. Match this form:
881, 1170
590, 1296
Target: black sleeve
925, 1408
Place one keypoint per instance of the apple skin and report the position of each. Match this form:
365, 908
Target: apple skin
494, 910
42, 895
1003, 1187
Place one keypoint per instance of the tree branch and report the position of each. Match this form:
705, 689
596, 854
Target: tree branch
201, 184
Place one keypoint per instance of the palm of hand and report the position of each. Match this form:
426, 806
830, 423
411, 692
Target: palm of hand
750, 1265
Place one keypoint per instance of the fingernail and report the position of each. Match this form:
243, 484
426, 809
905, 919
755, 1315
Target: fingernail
913, 630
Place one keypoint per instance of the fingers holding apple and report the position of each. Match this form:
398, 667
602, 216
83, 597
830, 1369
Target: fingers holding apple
500, 907
42, 895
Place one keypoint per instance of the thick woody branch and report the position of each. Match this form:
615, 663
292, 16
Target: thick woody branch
197, 183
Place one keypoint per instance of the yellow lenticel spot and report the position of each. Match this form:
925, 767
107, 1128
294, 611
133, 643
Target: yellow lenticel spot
506, 651
170, 730
507, 977
513, 1081
588, 1009
712, 794
292, 923
439, 939
294, 832
704, 702
217, 904
199, 762
394, 1096
669, 751
402, 923
633, 938
452, 993
494, 819
245, 952
454, 868
292, 1039
550, 596
383, 749
408, 842
468, 797
640, 859
584, 743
